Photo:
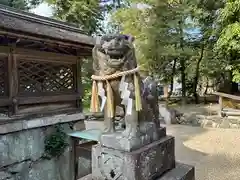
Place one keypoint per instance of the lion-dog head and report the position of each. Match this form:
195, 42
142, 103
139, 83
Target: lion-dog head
113, 53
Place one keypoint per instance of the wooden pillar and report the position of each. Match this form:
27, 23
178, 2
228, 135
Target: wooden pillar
220, 102
165, 90
13, 81
73, 173
79, 87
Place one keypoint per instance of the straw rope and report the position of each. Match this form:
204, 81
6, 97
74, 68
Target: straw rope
110, 108
115, 75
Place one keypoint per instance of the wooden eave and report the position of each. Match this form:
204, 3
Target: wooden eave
27, 25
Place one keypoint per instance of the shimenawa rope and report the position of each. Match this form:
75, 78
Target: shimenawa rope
110, 107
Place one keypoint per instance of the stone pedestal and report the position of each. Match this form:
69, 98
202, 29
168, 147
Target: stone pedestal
149, 157
145, 163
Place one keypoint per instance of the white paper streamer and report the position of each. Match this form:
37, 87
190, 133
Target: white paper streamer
101, 93
129, 106
125, 89
104, 99
121, 85
125, 95
125, 98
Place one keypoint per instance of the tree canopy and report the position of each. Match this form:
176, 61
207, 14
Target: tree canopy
193, 41
229, 36
21, 4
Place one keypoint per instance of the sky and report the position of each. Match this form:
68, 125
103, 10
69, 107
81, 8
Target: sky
43, 10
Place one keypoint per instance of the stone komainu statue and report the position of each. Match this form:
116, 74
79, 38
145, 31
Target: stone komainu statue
116, 73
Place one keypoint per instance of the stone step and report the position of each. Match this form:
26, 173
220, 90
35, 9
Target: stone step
231, 109
180, 172
219, 122
214, 121
231, 113
94, 124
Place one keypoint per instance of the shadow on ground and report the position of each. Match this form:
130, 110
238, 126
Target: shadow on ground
211, 151
182, 134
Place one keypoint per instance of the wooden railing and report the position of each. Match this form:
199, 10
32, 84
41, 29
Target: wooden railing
32, 78
228, 104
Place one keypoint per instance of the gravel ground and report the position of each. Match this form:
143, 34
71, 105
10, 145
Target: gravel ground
203, 109
215, 153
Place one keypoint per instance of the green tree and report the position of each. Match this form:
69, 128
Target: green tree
227, 45
204, 15
161, 29
229, 35
86, 14
21, 4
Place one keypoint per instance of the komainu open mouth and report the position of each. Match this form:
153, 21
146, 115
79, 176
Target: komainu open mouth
113, 53
116, 56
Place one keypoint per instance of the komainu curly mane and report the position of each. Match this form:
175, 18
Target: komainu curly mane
114, 54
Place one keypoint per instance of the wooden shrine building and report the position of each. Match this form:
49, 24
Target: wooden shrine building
40, 64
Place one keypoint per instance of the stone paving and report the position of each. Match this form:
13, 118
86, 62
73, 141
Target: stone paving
206, 116
215, 153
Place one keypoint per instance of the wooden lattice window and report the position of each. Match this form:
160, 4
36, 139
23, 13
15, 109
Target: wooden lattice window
3, 72
45, 77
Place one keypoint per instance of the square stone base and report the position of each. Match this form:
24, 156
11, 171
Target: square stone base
180, 172
146, 163
118, 141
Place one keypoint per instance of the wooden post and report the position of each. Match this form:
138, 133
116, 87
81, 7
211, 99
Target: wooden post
13, 81
73, 175
165, 89
79, 87
220, 102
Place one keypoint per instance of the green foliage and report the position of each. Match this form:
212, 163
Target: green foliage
86, 14
21, 4
55, 143
127, 18
236, 74
201, 36
162, 30
228, 45
87, 72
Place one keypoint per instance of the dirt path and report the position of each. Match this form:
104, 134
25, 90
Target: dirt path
215, 153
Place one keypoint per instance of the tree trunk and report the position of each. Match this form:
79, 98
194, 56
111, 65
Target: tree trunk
205, 93
234, 88
172, 78
183, 80
182, 63
226, 86
195, 83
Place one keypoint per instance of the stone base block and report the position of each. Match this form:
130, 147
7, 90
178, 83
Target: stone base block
145, 163
118, 141
180, 172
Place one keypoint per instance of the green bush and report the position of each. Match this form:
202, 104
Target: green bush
55, 143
